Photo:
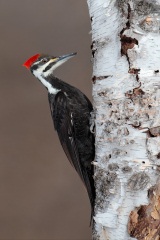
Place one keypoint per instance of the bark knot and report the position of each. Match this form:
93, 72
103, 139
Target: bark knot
155, 131
127, 43
138, 181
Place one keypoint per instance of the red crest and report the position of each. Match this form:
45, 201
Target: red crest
31, 60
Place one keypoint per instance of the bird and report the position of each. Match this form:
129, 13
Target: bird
71, 114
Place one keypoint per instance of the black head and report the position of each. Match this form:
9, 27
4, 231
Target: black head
44, 65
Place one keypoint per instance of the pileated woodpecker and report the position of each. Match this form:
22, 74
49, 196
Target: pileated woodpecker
71, 112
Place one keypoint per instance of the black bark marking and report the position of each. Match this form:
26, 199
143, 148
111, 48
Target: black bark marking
137, 92
126, 169
128, 22
135, 71
127, 42
93, 49
94, 78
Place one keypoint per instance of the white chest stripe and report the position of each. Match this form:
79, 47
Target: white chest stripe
50, 88
38, 73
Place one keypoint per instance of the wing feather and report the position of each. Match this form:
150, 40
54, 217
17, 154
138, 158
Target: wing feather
64, 125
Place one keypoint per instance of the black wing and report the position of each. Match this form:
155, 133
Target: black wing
64, 125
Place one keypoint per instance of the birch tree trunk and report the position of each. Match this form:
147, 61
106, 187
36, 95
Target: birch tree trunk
126, 93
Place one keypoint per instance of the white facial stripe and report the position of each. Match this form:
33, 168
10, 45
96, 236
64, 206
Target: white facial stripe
56, 65
50, 88
38, 73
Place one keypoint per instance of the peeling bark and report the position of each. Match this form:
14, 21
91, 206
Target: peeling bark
126, 92
144, 221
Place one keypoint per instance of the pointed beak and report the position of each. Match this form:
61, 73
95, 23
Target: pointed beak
65, 57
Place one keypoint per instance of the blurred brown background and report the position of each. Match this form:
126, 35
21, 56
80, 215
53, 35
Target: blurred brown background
41, 197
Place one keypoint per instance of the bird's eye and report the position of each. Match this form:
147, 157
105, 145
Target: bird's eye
44, 60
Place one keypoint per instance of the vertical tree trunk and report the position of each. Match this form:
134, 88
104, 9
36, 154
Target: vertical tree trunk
126, 93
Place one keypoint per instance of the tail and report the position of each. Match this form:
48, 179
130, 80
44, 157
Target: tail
92, 195
92, 215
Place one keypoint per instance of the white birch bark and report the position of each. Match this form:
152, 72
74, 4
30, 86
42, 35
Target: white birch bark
126, 94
